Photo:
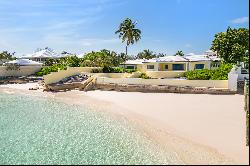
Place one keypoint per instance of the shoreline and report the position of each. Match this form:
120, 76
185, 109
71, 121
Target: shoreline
189, 149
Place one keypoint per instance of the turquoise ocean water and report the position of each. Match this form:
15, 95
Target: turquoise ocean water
37, 130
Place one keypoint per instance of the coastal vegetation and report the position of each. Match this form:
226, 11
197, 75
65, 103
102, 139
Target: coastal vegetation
107, 69
232, 46
147, 54
53, 68
101, 58
144, 76
220, 73
5, 55
106, 59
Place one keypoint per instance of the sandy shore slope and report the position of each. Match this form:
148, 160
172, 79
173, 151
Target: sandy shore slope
202, 129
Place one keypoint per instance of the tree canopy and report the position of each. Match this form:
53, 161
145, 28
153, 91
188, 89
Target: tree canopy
180, 53
146, 54
5, 55
101, 58
233, 45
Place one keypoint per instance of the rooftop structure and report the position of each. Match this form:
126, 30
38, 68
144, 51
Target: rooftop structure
171, 59
197, 58
41, 55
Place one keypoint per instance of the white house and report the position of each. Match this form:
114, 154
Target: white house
42, 55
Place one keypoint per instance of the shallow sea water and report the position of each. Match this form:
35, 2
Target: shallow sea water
37, 130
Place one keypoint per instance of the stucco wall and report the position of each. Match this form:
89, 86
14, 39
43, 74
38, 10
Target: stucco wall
170, 66
24, 71
172, 82
144, 67
206, 64
57, 76
165, 74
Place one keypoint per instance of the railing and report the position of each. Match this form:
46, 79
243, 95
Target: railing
246, 94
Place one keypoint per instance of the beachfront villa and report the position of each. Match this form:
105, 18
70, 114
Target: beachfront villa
188, 62
198, 62
42, 55
167, 63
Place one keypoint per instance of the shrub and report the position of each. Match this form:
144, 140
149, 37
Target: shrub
53, 68
220, 73
198, 74
130, 70
117, 70
144, 76
97, 70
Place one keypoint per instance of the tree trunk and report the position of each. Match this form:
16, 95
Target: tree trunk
126, 53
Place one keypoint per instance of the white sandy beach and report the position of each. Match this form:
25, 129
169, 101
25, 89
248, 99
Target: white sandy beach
198, 126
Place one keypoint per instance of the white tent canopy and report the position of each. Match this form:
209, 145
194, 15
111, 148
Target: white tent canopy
24, 62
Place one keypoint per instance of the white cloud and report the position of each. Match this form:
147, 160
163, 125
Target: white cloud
240, 20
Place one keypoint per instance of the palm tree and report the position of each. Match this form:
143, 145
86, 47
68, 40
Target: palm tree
129, 33
161, 55
146, 54
180, 53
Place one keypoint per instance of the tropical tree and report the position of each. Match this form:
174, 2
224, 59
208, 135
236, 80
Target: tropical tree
128, 33
71, 61
5, 55
180, 53
146, 54
101, 58
51, 61
233, 45
161, 55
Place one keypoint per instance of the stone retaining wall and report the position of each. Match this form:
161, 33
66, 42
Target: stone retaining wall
161, 89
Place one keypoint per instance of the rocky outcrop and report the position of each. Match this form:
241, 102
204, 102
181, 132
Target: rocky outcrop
19, 80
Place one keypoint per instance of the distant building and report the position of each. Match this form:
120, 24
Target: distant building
188, 62
41, 55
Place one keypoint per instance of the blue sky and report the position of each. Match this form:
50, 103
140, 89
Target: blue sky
80, 26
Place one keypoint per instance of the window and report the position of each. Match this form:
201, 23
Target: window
215, 64
150, 66
166, 67
199, 66
130, 67
178, 66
